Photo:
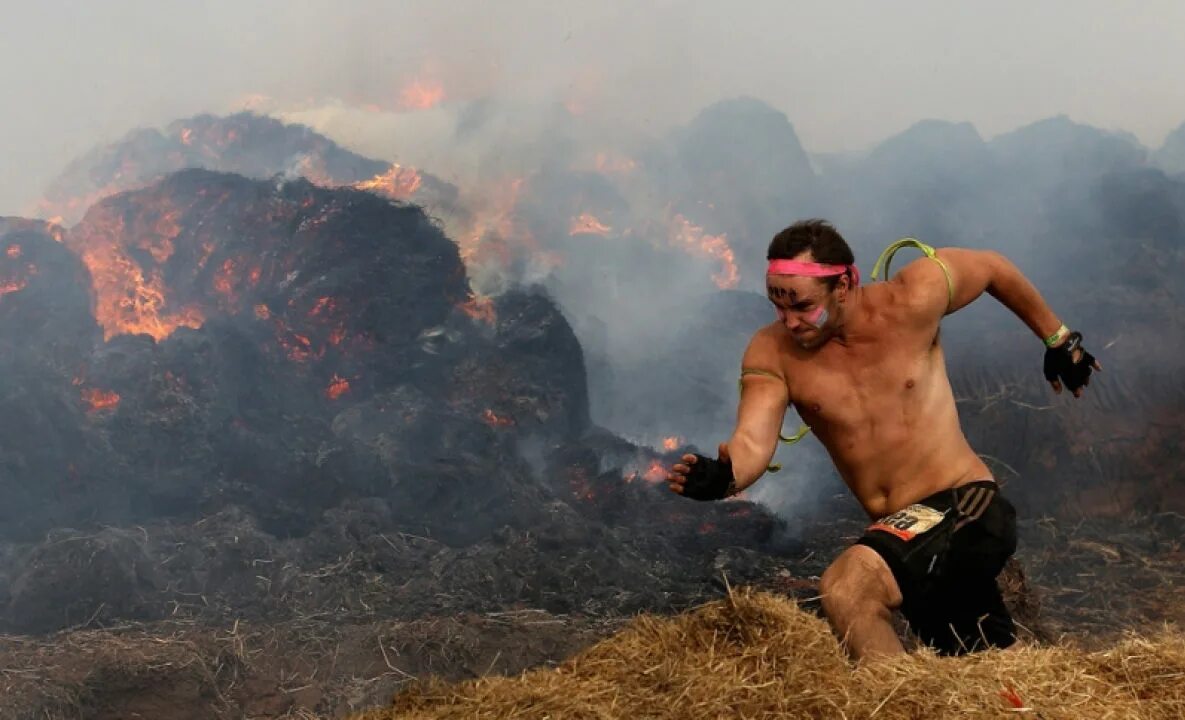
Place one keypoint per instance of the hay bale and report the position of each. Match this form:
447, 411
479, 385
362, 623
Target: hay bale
756, 655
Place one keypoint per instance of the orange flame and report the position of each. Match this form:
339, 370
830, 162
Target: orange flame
338, 386
692, 238
656, 473
131, 298
670, 443
97, 399
587, 224
494, 214
14, 250
421, 95
398, 183
322, 304
494, 420
13, 286
480, 307
262, 312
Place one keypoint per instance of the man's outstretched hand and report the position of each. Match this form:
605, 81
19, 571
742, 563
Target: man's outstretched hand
701, 478
1069, 364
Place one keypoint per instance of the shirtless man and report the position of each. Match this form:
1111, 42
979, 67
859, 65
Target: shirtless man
864, 369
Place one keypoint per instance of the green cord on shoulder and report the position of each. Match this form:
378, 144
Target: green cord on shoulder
887, 257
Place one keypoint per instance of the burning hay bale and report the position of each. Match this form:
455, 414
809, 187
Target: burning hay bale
756, 655
247, 144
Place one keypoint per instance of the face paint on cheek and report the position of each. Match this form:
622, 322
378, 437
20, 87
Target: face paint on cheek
817, 318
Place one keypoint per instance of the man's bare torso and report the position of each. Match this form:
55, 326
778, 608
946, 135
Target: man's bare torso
880, 401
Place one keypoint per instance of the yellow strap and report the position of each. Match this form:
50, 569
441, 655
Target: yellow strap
803, 429
887, 257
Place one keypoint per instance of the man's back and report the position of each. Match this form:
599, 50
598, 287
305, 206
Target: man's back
880, 401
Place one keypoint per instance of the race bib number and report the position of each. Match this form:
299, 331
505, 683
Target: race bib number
909, 522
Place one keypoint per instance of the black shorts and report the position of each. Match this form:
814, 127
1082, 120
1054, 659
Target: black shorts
945, 552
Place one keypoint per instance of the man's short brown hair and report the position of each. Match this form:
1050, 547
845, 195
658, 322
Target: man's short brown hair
819, 237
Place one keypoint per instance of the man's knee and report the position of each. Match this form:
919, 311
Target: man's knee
858, 582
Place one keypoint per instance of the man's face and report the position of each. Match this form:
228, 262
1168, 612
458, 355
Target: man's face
805, 306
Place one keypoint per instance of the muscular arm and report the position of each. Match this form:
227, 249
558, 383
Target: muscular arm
762, 409
974, 272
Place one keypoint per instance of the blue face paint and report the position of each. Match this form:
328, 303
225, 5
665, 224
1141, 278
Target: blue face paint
818, 318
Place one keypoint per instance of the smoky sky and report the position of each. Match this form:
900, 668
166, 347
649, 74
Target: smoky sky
847, 74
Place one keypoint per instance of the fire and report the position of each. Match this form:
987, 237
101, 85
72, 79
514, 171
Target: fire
670, 443
322, 304
587, 224
421, 95
398, 183
262, 312
224, 279
685, 234
494, 214
338, 386
97, 399
494, 420
131, 297
130, 302
656, 473
480, 307
14, 250
186, 136
12, 286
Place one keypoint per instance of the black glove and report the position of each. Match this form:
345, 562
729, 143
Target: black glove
709, 479
1060, 365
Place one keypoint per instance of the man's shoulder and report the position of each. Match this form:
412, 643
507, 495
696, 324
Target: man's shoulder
765, 347
919, 285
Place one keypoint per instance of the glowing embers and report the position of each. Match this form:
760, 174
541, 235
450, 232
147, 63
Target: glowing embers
130, 292
230, 281
670, 443
96, 399
480, 308
14, 276
587, 224
692, 238
337, 387
398, 183
489, 417
654, 473
421, 94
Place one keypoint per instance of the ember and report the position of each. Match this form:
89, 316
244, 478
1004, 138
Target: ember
494, 420
692, 238
480, 308
338, 386
97, 399
397, 183
587, 224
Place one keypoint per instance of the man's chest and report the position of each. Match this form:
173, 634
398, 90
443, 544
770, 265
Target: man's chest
847, 388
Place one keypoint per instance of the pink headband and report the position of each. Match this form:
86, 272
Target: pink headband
811, 269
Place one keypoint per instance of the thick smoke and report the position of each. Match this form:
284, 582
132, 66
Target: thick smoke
653, 244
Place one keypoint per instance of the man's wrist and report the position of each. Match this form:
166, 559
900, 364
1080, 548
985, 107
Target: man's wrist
1058, 337
732, 488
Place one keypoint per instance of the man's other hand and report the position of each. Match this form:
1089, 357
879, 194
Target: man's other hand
1069, 365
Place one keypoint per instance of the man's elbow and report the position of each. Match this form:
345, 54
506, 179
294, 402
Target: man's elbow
750, 459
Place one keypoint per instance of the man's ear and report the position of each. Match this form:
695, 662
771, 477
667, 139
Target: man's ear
842, 287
